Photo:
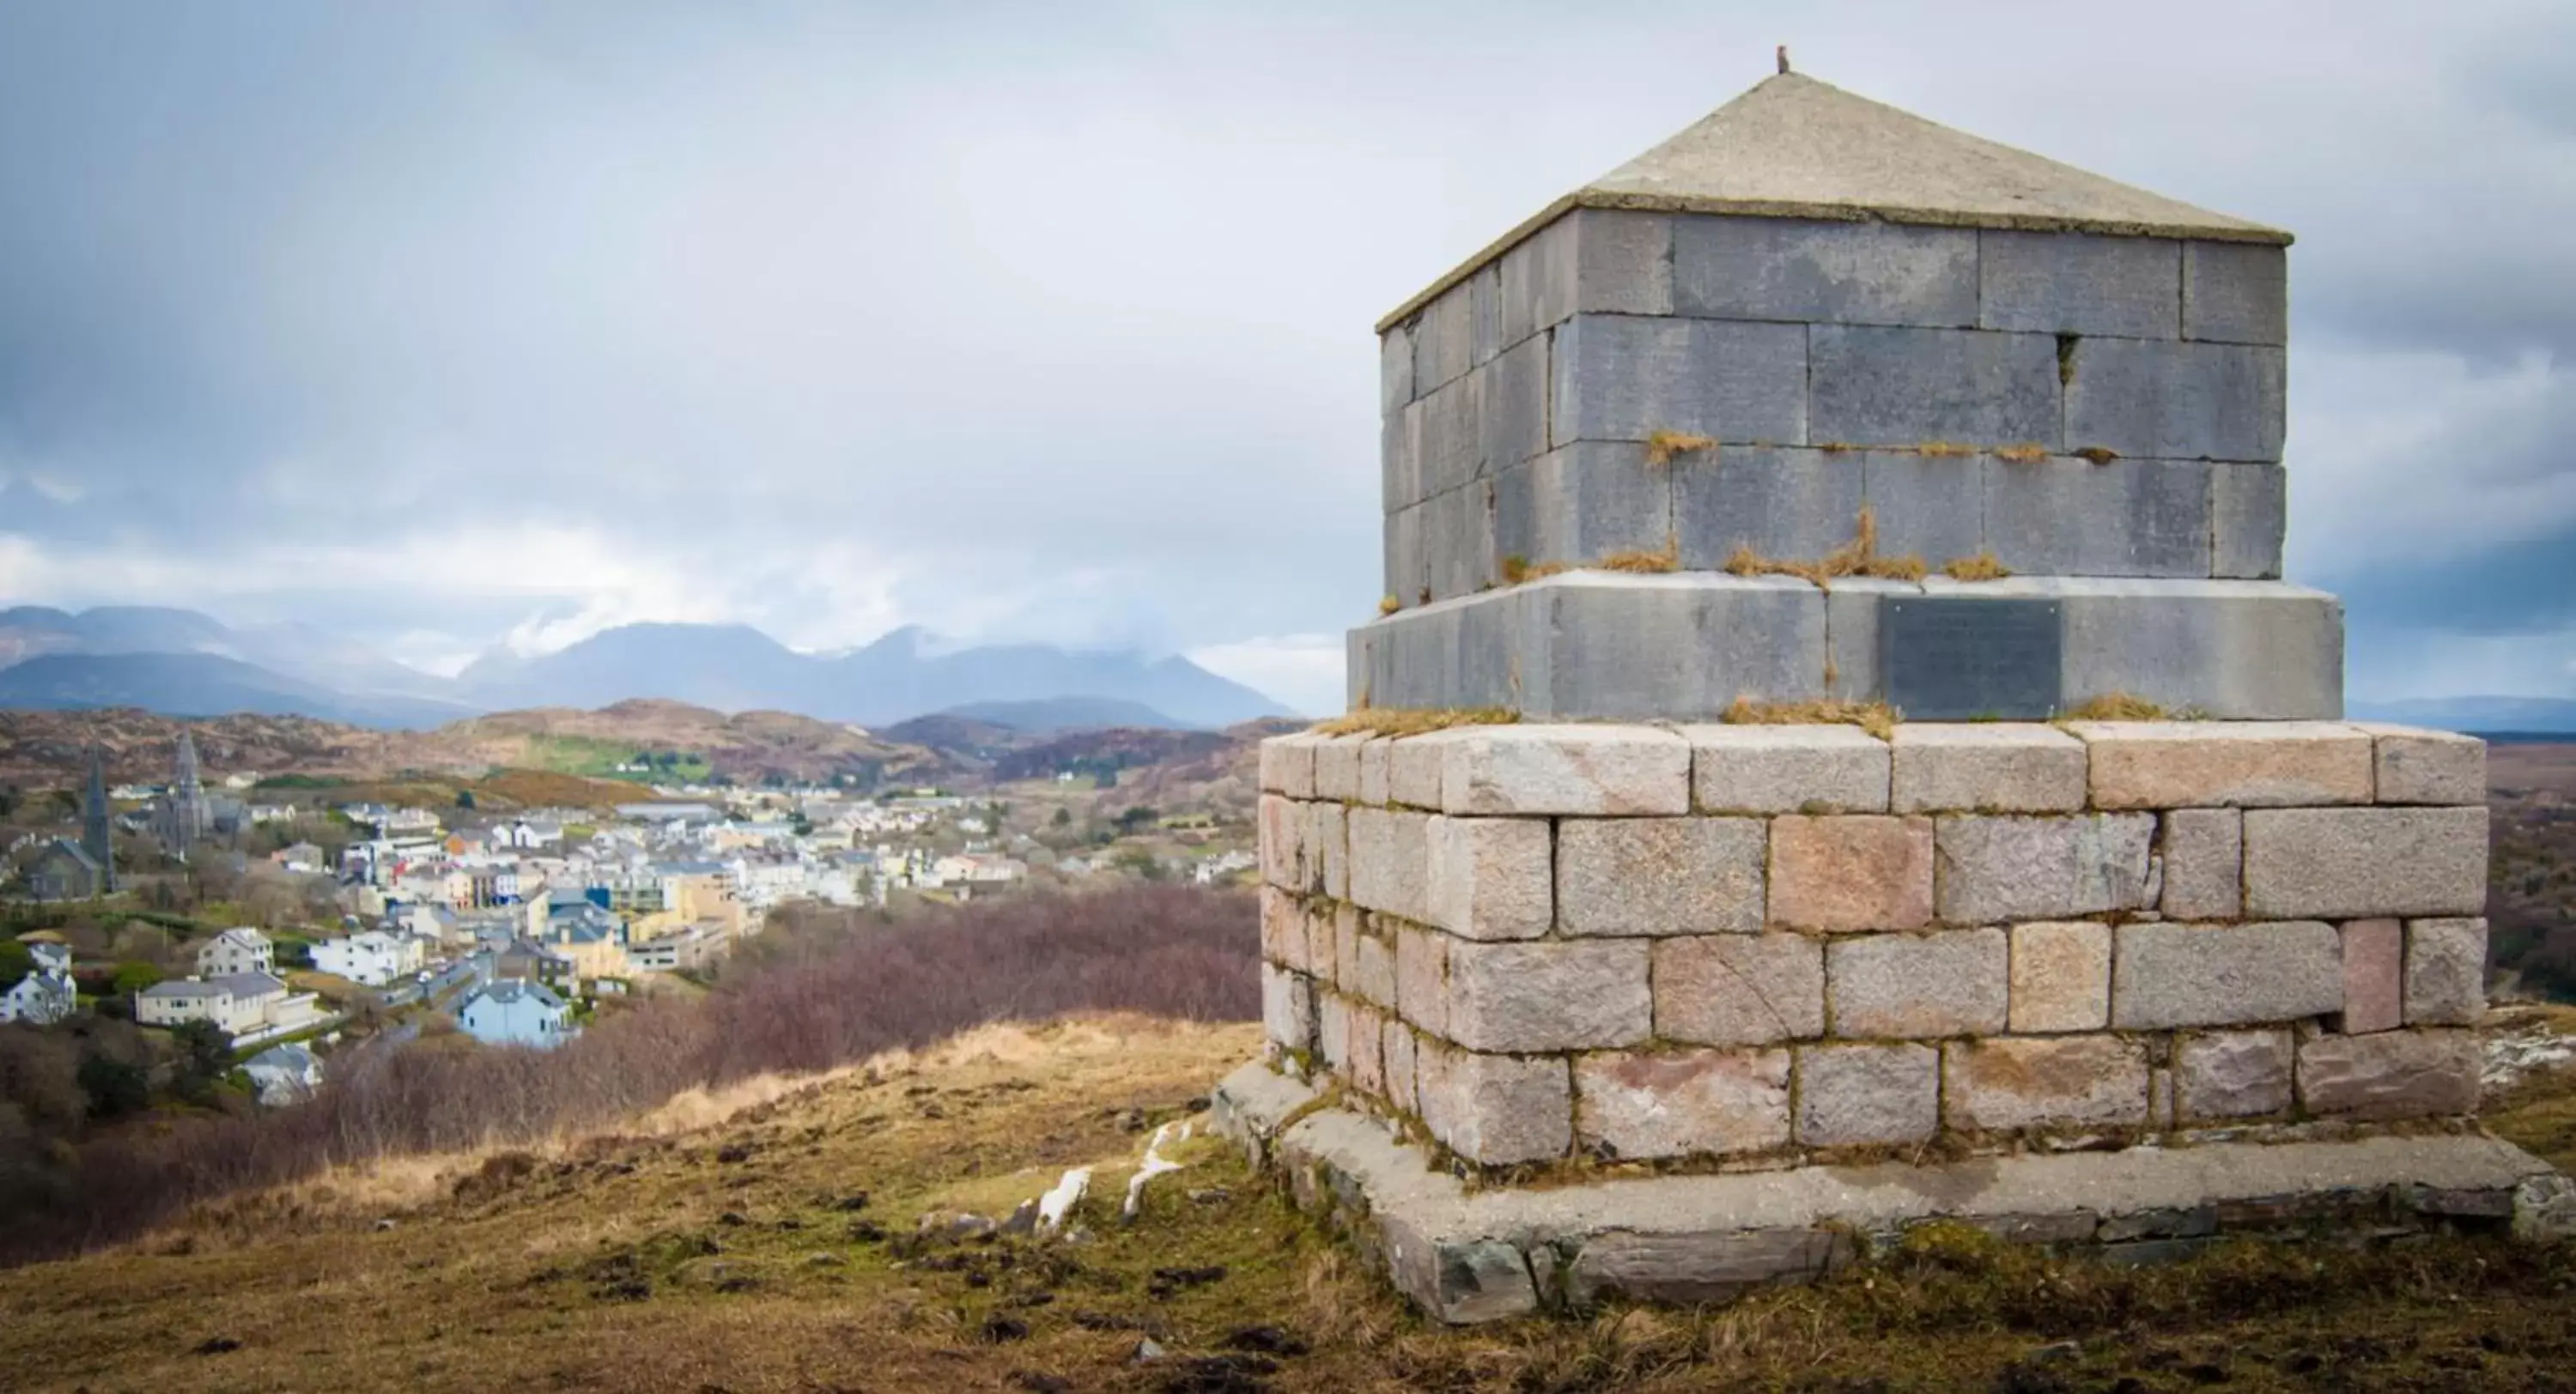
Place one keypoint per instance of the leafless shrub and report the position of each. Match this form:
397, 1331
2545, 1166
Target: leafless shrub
830, 989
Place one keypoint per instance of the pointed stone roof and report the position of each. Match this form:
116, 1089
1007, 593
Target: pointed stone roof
1793, 147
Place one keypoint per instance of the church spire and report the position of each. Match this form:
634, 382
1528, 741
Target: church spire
96, 838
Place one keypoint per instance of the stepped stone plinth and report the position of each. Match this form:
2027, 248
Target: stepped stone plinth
1713, 431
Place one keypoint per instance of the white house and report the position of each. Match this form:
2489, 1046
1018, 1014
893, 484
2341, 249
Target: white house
240, 1003
515, 1012
284, 1074
236, 951
46, 994
371, 957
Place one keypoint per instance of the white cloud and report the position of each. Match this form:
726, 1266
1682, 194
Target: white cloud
1304, 671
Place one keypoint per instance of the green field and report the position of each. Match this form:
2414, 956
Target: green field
595, 758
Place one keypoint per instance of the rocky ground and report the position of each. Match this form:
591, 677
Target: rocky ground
855, 1233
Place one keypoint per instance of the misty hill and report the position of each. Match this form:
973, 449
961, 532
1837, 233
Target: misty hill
905, 674
1048, 715
199, 684
296, 656
180, 662
2528, 715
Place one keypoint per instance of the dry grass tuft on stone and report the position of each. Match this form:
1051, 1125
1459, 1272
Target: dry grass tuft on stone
1945, 449
1877, 718
1662, 446
1413, 721
1517, 568
1389, 604
2026, 454
1984, 566
2117, 706
2096, 454
1638, 562
1858, 557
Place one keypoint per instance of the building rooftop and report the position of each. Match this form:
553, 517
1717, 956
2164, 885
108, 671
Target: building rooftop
509, 990
1794, 147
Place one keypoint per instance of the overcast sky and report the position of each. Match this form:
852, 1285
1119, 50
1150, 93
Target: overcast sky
447, 324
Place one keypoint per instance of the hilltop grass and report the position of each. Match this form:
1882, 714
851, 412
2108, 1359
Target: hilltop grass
594, 757
722, 1242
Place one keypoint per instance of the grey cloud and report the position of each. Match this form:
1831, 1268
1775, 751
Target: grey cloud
1037, 321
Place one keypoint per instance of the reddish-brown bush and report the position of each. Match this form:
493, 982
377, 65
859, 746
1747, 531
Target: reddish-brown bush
835, 989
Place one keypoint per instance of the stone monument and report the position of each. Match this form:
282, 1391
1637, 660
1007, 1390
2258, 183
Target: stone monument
1649, 975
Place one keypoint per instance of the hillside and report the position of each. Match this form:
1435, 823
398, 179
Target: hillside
44, 747
764, 1239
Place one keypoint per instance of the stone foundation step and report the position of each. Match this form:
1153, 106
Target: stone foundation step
1468, 1256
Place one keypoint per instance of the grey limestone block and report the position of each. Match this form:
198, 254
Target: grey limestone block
1851, 634
1787, 769
1581, 502
2232, 1074
1399, 454
1444, 340
2004, 867
1701, 1269
2362, 862
2076, 283
2064, 516
1928, 506
1918, 987
1668, 647
1458, 540
2446, 971
2176, 401
2235, 292
1624, 377
1856, 1095
1449, 438
1783, 502
1887, 386
1395, 369
1515, 405
2165, 975
2233, 650
1832, 272
2204, 856
2249, 509
1659, 876
1485, 315
1535, 770
1406, 575
2417, 766
1590, 261
1463, 653
1674, 1103
2064, 1082
1548, 996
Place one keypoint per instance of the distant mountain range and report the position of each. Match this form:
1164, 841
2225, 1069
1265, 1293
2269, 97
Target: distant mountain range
180, 662
2483, 715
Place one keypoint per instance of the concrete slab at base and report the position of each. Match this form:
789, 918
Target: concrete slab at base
1473, 1255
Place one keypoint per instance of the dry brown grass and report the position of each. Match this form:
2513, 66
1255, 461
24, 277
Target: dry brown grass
1413, 721
2096, 454
1984, 566
2027, 454
1517, 568
1388, 604
1637, 561
1945, 448
655, 1264
1858, 557
1877, 718
2115, 706
1662, 446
